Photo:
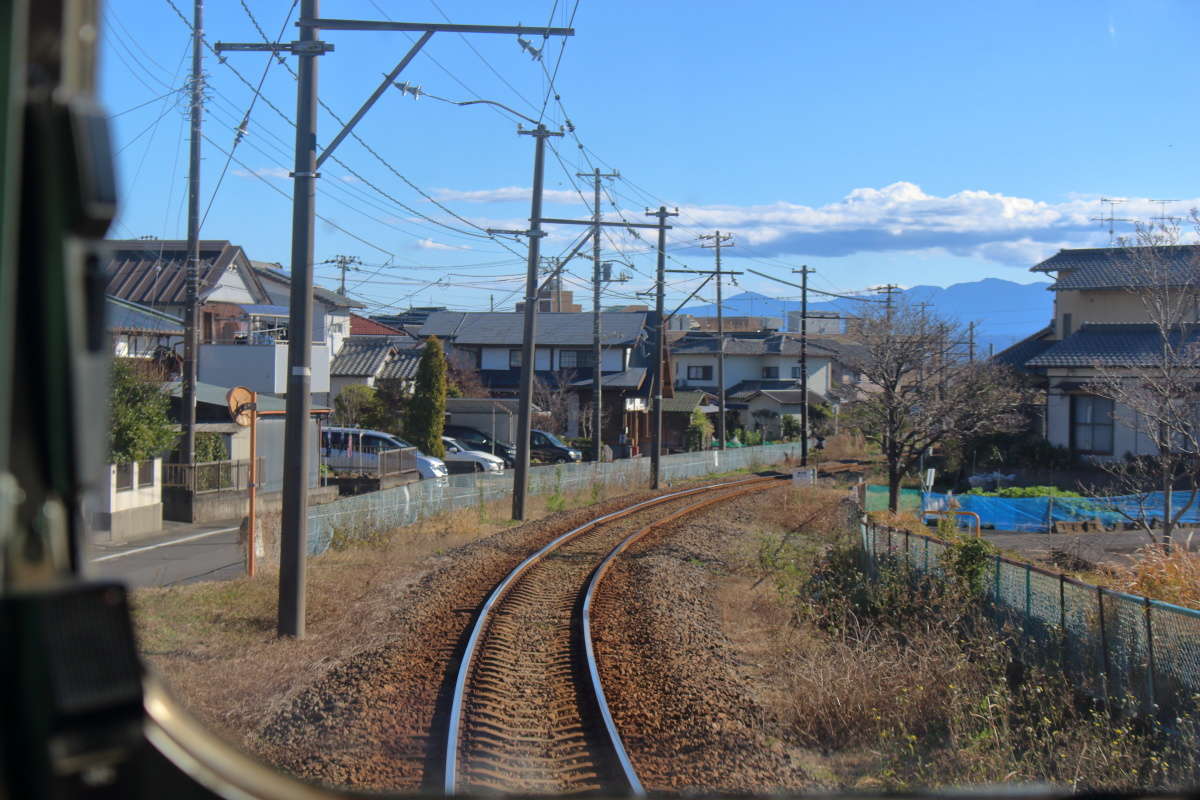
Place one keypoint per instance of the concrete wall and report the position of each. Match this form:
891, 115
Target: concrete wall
130, 513
180, 505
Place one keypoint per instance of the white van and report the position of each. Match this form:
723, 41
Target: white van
356, 451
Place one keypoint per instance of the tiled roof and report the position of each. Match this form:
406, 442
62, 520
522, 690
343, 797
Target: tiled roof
154, 271
789, 397
362, 326
402, 365
1111, 345
126, 316
554, 329
272, 270
357, 359
755, 345
742, 390
626, 379
1017, 355
683, 402
1121, 267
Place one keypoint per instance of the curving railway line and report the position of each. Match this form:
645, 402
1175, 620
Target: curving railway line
528, 712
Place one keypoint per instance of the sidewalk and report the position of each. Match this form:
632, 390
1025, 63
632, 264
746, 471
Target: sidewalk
181, 553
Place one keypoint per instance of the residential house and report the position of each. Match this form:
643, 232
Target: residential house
564, 358
763, 410
1100, 324
140, 331
756, 361
367, 360
242, 310
819, 323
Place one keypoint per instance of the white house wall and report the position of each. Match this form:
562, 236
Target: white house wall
230, 288
740, 368
261, 367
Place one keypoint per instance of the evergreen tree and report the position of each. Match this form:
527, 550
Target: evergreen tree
426, 413
699, 431
140, 428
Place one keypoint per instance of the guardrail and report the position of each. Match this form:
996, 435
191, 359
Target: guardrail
210, 476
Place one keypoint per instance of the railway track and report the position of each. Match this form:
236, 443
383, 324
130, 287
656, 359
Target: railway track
528, 712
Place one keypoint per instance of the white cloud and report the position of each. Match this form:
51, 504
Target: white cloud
504, 194
430, 244
901, 217
264, 172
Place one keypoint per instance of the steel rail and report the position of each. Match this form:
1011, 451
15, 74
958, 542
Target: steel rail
450, 777
589, 648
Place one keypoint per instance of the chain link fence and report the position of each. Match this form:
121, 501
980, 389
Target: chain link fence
1133, 653
360, 515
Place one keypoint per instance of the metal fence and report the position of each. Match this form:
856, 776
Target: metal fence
1134, 653
397, 462
404, 505
210, 476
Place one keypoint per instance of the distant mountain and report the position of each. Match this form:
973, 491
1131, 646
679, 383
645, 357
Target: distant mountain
1005, 311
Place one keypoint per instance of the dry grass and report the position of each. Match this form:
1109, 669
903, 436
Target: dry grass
845, 445
1173, 577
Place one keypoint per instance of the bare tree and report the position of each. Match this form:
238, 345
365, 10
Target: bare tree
921, 389
1153, 387
463, 378
554, 400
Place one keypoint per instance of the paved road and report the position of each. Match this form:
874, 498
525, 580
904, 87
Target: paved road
181, 554
1101, 547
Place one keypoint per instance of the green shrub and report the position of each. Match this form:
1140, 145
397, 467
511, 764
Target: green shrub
1026, 491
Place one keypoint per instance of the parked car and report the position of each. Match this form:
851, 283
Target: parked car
545, 446
478, 440
459, 453
356, 450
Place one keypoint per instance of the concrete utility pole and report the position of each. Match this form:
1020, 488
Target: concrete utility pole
597, 377
345, 264
804, 272
971, 341
191, 333
294, 524
528, 350
718, 239
660, 349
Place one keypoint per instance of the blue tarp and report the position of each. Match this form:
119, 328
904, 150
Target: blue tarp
1037, 514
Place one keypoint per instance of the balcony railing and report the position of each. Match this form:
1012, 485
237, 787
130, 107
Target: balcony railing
210, 476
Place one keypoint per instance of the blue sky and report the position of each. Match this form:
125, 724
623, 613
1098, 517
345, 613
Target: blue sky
912, 143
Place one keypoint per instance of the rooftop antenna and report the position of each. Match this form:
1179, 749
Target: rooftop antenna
1111, 218
1162, 218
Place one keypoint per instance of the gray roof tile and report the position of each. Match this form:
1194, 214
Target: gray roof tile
1110, 345
554, 329
1120, 267
358, 359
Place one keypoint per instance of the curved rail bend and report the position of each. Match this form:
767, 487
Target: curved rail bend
454, 731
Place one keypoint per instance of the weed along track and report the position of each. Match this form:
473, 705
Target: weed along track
528, 713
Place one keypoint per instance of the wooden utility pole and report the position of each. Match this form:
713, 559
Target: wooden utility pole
191, 333
889, 291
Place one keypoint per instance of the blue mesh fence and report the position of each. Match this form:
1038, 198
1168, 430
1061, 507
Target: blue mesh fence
1038, 514
1136, 654
363, 514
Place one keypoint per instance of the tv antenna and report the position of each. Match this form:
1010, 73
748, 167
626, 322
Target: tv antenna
1162, 218
1111, 218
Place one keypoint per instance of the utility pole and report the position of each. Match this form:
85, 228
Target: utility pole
528, 351
191, 342
804, 272
294, 522
597, 355
718, 239
889, 291
971, 341
345, 264
659, 347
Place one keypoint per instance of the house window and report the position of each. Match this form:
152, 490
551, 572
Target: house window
796, 372
770, 372
575, 358
1066, 325
1091, 424
514, 359
699, 373
145, 474
124, 477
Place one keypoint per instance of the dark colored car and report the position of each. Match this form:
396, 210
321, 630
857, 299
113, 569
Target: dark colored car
478, 440
546, 447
